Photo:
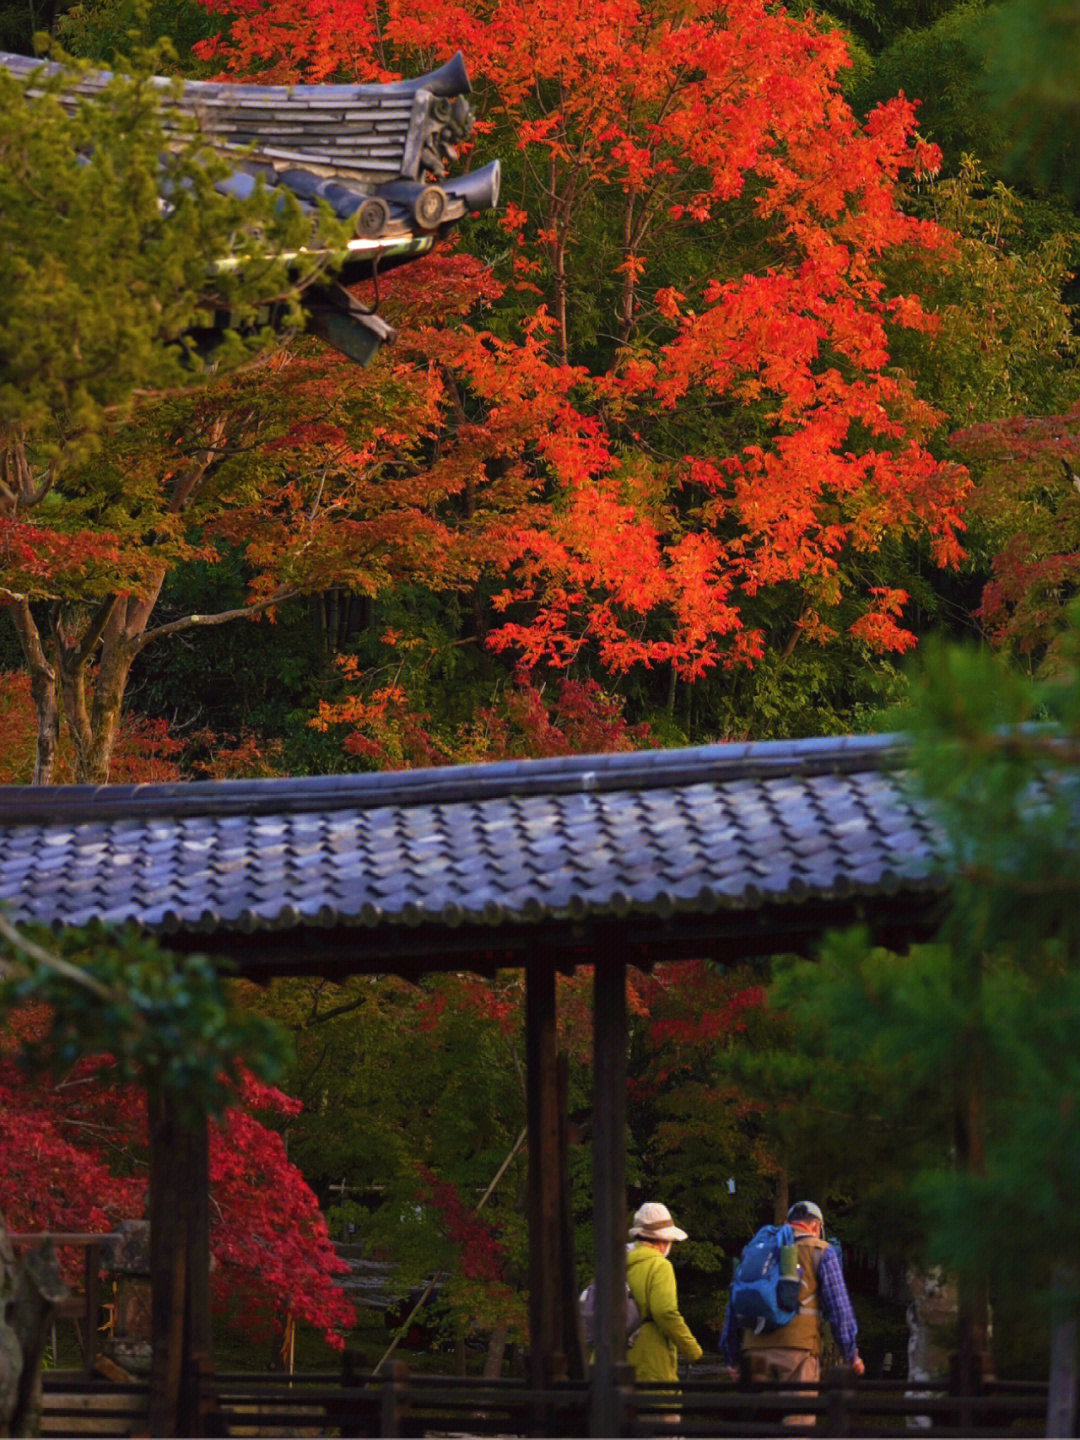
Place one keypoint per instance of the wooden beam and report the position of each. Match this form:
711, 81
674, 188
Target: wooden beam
1061, 1410
728, 936
609, 1180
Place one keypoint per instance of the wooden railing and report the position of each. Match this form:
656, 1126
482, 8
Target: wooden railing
82, 1307
402, 1403
75, 1404
842, 1406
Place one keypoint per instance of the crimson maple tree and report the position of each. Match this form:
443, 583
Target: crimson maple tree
689, 370
73, 1158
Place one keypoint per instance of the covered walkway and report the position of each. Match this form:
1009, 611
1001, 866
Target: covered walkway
723, 851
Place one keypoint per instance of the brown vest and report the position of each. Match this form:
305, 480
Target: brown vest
804, 1331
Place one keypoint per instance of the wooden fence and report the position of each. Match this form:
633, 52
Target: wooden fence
403, 1403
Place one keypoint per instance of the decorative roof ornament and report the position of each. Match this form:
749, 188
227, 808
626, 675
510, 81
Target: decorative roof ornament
380, 155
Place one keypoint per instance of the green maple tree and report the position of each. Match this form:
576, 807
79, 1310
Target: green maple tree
120, 259
960, 1044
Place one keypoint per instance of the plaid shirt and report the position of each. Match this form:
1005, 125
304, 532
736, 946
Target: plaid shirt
835, 1310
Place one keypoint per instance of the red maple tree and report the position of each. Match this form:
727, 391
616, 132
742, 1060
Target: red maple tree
735, 430
73, 1158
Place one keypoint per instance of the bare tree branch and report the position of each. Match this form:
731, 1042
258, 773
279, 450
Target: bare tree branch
190, 622
56, 963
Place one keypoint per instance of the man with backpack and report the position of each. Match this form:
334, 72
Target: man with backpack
791, 1351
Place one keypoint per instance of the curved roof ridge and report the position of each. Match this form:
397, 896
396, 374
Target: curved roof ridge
447, 80
637, 770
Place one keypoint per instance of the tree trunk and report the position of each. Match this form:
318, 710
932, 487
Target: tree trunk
973, 1335
782, 1195
93, 650
110, 684
628, 298
557, 248
493, 1361
39, 1290
42, 692
10, 1347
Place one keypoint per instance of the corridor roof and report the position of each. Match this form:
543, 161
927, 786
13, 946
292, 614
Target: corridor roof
727, 850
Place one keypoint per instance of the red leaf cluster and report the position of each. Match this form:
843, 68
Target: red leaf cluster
73, 1157
673, 119
481, 1255
1030, 481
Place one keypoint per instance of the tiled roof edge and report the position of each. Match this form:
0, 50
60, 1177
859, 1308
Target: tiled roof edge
585, 774
448, 80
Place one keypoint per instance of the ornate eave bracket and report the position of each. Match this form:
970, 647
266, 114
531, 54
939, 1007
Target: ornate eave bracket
381, 156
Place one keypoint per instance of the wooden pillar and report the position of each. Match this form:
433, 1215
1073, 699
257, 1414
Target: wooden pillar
179, 1267
571, 1326
92, 1308
197, 1335
1061, 1413
547, 1350
609, 1181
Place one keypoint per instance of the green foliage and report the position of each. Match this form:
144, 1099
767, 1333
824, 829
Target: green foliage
1007, 797
165, 1020
106, 280
271, 662
1018, 1217
814, 690
105, 30
872, 1054
937, 65
963, 1049
878, 22
887, 1020
1005, 344
413, 1097
1032, 55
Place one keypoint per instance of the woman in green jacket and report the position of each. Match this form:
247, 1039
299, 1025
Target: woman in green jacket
664, 1335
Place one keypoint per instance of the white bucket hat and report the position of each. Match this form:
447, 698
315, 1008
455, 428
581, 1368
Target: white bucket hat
654, 1222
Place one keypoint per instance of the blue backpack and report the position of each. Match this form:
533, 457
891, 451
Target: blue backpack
765, 1287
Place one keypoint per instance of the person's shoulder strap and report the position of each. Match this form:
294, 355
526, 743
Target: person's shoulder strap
641, 1300
817, 1249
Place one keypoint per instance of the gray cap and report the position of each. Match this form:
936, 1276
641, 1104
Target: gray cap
805, 1210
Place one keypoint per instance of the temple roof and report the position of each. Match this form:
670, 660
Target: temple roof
382, 156
718, 849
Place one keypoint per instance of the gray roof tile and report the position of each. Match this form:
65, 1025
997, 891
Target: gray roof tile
701, 831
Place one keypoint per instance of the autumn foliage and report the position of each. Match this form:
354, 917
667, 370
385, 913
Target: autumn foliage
73, 1158
651, 420
1029, 494
712, 418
